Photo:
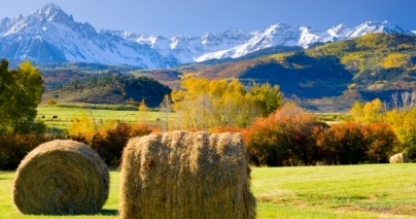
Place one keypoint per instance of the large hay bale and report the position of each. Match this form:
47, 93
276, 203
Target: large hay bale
399, 158
186, 175
61, 177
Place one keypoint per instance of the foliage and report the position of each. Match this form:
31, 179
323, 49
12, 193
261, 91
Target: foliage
370, 112
395, 60
344, 143
14, 147
289, 136
107, 137
113, 88
82, 127
353, 143
302, 75
381, 141
203, 104
110, 143
403, 122
20, 93
142, 111
286, 137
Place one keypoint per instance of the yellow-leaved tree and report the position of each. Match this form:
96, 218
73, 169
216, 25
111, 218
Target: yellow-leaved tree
370, 112
85, 127
142, 112
203, 104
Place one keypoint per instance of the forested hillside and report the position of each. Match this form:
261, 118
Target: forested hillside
375, 65
111, 88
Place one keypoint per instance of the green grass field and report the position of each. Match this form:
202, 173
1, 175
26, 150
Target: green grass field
64, 115
361, 192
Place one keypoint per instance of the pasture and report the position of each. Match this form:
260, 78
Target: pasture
60, 117
354, 191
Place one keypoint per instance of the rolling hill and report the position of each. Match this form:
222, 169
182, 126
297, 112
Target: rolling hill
109, 88
374, 65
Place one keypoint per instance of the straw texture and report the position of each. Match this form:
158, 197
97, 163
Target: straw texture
61, 177
183, 175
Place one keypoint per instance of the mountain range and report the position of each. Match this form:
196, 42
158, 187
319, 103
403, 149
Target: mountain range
50, 35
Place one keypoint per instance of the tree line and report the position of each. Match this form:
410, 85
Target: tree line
275, 133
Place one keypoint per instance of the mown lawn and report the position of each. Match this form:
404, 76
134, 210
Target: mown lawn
361, 191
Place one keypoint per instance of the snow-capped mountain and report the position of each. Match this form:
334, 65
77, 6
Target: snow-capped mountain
304, 36
51, 35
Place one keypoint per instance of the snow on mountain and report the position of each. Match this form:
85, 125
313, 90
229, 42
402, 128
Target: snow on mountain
285, 35
51, 35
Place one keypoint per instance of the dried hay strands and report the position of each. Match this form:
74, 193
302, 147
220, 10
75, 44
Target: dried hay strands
399, 158
184, 175
61, 177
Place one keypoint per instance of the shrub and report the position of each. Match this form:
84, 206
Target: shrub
14, 148
344, 143
110, 143
286, 137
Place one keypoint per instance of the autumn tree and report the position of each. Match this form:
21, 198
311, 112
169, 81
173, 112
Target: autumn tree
403, 122
142, 111
203, 104
381, 141
20, 94
285, 137
369, 112
344, 143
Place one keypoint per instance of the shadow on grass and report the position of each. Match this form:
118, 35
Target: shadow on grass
109, 212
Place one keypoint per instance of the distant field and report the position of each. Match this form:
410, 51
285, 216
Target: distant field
60, 117
353, 192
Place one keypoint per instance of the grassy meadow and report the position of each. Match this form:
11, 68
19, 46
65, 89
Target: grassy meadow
356, 191
64, 115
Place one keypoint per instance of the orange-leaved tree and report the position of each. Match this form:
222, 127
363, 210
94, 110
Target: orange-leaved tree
285, 137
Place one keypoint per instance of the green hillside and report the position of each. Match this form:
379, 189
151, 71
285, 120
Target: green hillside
110, 88
377, 61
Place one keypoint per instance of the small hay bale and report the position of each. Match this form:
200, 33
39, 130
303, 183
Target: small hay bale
186, 175
61, 177
399, 158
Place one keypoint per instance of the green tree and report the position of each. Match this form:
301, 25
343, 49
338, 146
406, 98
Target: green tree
267, 98
20, 94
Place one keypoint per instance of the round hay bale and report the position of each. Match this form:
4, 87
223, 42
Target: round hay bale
61, 177
186, 175
399, 158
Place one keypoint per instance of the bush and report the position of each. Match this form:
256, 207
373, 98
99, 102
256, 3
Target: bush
14, 148
286, 137
110, 143
353, 143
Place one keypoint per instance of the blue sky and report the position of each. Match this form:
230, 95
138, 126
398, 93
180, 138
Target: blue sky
197, 17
